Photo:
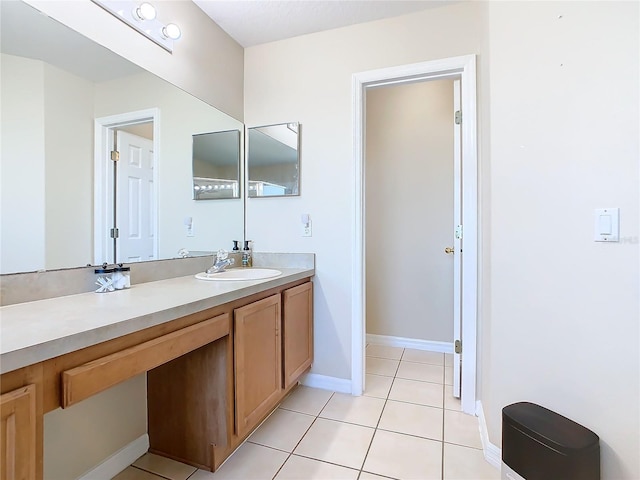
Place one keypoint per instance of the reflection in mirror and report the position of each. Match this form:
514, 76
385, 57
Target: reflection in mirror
55, 84
216, 165
273, 161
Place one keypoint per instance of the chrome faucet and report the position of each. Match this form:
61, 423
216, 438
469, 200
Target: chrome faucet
222, 260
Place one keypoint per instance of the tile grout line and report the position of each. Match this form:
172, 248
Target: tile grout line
381, 413
305, 433
442, 454
157, 474
444, 376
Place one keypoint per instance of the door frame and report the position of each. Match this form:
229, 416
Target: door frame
103, 177
464, 68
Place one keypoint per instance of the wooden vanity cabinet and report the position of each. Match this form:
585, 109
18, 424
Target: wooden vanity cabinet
273, 347
19, 438
297, 332
258, 360
212, 377
21, 420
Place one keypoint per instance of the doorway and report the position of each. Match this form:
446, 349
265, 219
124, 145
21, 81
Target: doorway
458, 68
126, 187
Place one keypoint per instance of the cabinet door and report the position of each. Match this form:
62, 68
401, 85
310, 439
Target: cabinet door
257, 351
18, 441
297, 326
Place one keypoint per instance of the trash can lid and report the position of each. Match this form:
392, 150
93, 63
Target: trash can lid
549, 428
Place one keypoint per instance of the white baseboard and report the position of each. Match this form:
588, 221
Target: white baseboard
444, 347
119, 460
324, 382
492, 453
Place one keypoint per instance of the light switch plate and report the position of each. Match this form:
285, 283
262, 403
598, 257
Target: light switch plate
306, 229
606, 224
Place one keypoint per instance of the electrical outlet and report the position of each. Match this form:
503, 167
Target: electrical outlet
306, 229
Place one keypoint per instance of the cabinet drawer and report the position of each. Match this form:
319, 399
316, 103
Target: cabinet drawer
85, 380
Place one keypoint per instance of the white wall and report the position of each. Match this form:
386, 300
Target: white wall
316, 91
68, 134
22, 237
564, 141
205, 62
47, 137
409, 210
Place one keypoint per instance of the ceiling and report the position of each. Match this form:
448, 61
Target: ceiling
253, 22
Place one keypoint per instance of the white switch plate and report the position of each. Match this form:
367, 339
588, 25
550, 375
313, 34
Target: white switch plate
606, 224
306, 229
188, 225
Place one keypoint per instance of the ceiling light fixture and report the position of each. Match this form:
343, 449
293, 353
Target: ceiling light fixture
144, 11
141, 16
172, 31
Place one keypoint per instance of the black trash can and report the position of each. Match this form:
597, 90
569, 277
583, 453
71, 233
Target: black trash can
538, 444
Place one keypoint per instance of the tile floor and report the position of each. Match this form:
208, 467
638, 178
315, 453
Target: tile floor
407, 425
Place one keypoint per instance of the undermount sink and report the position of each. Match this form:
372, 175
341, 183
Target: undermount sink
238, 274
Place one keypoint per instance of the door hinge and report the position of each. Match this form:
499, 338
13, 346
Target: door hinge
459, 232
115, 155
457, 346
114, 233
458, 117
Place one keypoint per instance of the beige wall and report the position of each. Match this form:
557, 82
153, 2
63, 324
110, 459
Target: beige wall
205, 62
558, 312
79, 438
564, 141
409, 210
317, 93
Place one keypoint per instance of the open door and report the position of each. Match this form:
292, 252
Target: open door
457, 237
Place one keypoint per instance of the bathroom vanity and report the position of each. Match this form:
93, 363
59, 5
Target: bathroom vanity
219, 357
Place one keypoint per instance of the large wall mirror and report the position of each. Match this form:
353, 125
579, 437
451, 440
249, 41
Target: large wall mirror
273, 160
58, 90
216, 165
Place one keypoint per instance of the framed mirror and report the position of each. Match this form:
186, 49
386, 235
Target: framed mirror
216, 165
56, 86
273, 160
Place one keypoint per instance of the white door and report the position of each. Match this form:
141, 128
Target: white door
457, 236
135, 206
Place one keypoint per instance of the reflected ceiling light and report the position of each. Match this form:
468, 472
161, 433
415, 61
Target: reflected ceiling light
172, 31
145, 11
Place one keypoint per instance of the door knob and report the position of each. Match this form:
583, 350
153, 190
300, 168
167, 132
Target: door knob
448, 250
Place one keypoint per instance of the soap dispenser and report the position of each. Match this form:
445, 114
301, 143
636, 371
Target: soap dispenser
247, 261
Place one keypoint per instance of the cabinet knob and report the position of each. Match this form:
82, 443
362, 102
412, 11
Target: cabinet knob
448, 250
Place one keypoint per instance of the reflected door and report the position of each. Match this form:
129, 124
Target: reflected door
135, 204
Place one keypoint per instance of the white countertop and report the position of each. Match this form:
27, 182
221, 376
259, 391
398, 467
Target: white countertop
36, 331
